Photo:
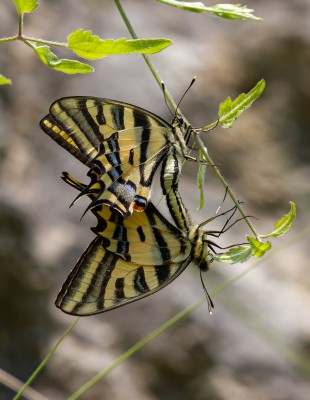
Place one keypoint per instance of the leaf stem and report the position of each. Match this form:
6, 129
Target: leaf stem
47, 42
31, 39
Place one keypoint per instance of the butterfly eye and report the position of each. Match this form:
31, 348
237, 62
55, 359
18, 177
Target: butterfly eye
180, 120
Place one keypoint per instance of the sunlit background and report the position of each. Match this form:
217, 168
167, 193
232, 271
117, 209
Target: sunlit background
256, 344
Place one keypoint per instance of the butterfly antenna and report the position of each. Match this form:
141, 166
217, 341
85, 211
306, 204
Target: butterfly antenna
210, 302
163, 88
178, 105
186, 91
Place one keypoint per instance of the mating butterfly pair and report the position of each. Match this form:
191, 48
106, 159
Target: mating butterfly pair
134, 253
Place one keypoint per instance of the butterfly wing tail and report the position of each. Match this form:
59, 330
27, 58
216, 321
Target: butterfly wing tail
70, 180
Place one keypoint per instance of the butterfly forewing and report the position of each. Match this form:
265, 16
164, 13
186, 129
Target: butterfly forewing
124, 142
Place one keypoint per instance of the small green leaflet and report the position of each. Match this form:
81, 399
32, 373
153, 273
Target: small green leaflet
51, 60
258, 248
231, 109
25, 6
242, 253
235, 255
4, 80
228, 11
283, 225
91, 47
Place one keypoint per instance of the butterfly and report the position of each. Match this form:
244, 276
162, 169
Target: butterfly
130, 258
123, 143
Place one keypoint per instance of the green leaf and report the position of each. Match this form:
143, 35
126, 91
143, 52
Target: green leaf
234, 255
52, 61
202, 166
91, 47
258, 248
230, 110
234, 11
4, 80
284, 224
228, 11
25, 6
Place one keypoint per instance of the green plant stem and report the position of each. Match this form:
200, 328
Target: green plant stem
44, 362
146, 58
132, 350
20, 24
9, 39
197, 137
31, 39
216, 171
47, 42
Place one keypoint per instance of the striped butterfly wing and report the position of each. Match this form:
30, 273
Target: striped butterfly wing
130, 258
124, 143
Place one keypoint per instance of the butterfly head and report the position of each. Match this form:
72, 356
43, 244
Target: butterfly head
200, 249
206, 255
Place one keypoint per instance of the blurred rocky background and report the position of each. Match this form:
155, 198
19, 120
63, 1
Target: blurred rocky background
256, 344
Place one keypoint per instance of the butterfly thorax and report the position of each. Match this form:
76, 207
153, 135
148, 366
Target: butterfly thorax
179, 143
200, 248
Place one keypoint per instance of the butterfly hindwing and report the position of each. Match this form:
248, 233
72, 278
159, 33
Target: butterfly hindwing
102, 281
124, 143
144, 238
